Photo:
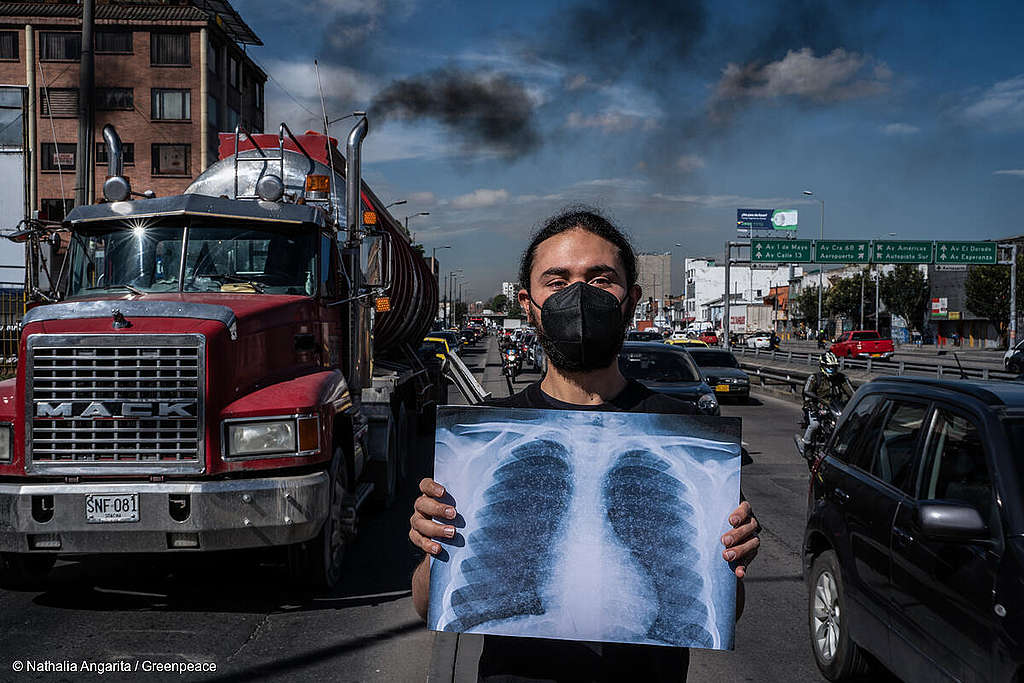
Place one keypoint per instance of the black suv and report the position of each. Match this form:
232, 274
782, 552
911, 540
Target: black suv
914, 548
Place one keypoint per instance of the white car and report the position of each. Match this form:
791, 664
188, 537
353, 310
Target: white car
1009, 352
761, 340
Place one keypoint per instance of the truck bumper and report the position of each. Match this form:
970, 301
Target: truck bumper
173, 516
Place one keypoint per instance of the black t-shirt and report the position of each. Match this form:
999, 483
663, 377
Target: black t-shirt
508, 659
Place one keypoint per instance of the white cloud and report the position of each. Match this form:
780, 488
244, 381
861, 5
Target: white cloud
421, 198
1019, 172
1001, 106
576, 82
839, 75
900, 129
478, 199
609, 121
690, 162
717, 201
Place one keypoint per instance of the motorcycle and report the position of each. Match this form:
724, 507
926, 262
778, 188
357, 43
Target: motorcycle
511, 363
827, 414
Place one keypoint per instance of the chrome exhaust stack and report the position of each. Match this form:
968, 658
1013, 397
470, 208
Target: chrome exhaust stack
116, 187
354, 180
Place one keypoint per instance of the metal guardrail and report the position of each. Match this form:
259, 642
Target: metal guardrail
794, 377
455, 370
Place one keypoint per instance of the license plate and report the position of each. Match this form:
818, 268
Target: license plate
111, 507
722, 387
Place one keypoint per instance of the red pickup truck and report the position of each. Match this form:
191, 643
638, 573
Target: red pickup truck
862, 344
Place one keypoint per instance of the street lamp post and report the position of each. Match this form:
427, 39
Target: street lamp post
450, 317
821, 236
421, 213
398, 203
433, 259
878, 281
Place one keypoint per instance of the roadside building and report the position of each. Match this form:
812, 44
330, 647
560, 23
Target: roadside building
705, 285
654, 275
510, 290
169, 75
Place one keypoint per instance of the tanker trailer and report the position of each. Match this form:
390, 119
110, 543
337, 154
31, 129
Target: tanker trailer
210, 377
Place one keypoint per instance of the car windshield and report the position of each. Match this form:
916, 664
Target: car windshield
865, 336
658, 366
222, 258
714, 359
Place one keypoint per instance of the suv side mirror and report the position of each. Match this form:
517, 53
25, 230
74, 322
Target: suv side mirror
951, 522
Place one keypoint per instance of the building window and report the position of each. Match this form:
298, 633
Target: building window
169, 49
127, 153
233, 72
55, 209
259, 96
60, 157
232, 119
171, 105
58, 102
111, 99
171, 160
60, 47
9, 45
213, 112
213, 58
113, 42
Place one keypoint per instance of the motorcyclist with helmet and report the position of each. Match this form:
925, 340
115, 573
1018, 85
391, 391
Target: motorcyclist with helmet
820, 388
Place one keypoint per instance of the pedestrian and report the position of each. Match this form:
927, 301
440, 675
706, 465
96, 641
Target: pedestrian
579, 291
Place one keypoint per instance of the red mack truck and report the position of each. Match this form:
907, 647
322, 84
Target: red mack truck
234, 367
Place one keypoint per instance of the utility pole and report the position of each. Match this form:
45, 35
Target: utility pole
728, 290
86, 91
1013, 295
862, 299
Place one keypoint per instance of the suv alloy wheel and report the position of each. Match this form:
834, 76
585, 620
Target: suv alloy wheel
838, 657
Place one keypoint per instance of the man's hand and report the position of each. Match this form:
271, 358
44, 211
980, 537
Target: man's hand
422, 527
741, 543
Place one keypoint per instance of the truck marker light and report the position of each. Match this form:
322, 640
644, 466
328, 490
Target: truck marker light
309, 434
318, 183
383, 304
369, 218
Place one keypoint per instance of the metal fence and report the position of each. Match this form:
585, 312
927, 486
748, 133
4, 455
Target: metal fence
753, 361
12, 310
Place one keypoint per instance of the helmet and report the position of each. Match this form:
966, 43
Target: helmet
828, 363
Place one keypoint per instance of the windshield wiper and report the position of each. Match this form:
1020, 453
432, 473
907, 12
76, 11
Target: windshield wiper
131, 289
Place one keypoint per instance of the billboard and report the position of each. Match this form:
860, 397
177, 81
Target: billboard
940, 307
766, 219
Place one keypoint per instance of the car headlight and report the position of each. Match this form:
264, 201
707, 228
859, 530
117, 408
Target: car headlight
707, 403
283, 436
6, 441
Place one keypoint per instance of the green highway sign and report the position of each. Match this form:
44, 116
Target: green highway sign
965, 252
842, 251
902, 251
780, 251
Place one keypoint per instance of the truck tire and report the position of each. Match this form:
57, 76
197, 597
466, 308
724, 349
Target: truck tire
25, 570
316, 563
384, 472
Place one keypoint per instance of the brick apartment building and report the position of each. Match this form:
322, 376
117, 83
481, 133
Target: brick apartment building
170, 74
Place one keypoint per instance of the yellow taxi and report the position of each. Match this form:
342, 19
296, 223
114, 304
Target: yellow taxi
696, 343
437, 345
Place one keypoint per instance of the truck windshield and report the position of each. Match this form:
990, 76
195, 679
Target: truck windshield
237, 259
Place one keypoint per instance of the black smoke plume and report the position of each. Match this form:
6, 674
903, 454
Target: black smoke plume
488, 112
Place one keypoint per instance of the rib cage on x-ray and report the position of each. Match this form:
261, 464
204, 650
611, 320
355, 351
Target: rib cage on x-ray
496, 588
586, 526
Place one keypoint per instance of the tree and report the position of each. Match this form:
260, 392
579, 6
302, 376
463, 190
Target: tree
807, 305
904, 292
499, 303
987, 292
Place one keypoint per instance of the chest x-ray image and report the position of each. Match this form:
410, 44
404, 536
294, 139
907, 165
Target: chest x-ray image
581, 525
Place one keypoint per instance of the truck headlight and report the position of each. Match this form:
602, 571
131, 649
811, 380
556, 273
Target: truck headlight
707, 403
286, 436
6, 441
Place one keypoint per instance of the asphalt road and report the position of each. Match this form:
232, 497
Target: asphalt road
237, 612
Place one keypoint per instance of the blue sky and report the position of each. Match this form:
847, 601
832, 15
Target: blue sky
669, 116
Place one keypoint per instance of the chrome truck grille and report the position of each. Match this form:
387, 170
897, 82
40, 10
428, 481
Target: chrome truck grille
117, 404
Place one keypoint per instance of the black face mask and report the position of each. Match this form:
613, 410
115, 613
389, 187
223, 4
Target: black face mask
581, 328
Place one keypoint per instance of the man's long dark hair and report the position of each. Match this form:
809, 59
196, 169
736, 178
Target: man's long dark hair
582, 218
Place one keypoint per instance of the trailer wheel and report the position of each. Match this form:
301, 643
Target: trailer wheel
25, 570
317, 563
384, 473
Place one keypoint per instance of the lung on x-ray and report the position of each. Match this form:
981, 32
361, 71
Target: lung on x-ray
582, 525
